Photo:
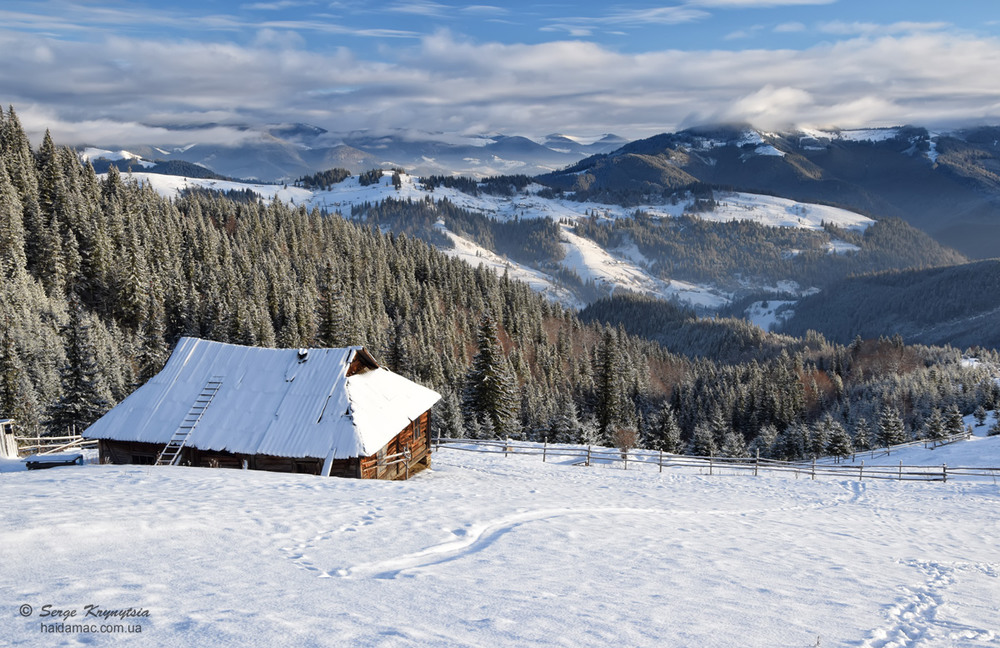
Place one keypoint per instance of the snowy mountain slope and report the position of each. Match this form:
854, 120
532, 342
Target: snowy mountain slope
766, 210
540, 282
593, 263
609, 269
946, 183
92, 153
487, 550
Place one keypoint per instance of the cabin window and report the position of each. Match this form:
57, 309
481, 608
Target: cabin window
416, 429
143, 460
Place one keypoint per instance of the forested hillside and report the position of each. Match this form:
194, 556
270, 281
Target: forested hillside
100, 276
959, 305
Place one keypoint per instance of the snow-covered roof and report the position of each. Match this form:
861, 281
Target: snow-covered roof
279, 402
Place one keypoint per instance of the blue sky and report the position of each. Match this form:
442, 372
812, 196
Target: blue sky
109, 71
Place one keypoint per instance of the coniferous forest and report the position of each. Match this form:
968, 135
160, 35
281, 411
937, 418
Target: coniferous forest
101, 276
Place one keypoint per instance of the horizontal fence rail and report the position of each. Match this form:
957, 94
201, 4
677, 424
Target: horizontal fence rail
598, 455
42, 445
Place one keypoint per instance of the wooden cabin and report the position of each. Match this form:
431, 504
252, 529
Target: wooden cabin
331, 412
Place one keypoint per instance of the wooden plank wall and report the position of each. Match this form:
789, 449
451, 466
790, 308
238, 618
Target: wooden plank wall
415, 436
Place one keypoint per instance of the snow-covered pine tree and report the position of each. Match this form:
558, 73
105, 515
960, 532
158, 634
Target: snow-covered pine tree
862, 434
733, 445
83, 398
763, 442
12, 257
447, 420
934, 426
490, 389
954, 424
607, 379
565, 426
703, 442
665, 433
790, 444
890, 427
839, 443
819, 436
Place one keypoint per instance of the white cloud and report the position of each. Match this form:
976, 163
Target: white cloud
448, 84
756, 4
486, 10
420, 8
841, 28
276, 6
790, 28
657, 15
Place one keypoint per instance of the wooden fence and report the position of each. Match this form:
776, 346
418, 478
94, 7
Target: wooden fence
601, 456
45, 445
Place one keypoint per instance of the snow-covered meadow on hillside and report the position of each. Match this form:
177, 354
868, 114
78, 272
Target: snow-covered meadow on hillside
610, 269
487, 550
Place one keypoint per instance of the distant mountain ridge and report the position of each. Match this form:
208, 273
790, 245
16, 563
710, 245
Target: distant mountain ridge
281, 153
947, 184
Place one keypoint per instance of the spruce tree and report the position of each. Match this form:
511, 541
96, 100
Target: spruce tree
490, 395
607, 381
934, 429
665, 433
790, 444
763, 443
332, 327
703, 442
819, 436
82, 400
733, 444
954, 423
890, 427
12, 256
565, 426
862, 434
18, 400
839, 444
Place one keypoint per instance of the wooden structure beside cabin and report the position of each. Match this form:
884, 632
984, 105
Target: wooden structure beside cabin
8, 444
331, 412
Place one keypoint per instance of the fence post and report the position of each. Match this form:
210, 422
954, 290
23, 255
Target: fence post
506, 446
588, 455
900, 470
755, 462
944, 472
861, 471
710, 464
661, 459
545, 448
812, 473
625, 458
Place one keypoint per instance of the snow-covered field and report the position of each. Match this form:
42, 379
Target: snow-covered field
767, 210
493, 551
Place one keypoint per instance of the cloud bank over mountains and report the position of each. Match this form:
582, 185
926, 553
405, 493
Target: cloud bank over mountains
122, 83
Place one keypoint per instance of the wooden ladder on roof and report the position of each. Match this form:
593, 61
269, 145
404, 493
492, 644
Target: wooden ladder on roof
171, 452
